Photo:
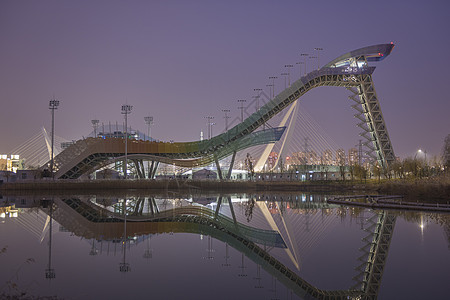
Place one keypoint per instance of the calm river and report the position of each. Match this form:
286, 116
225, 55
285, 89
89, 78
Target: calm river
218, 246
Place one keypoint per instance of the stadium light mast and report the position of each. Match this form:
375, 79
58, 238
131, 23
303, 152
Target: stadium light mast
300, 63
318, 57
149, 121
270, 89
226, 117
95, 125
273, 85
312, 57
209, 123
53, 105
305, 56
289, 72
242, 101
126, 109
258, 95
285, 77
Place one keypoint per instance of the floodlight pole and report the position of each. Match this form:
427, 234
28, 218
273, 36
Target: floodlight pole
305, 55
318, 57
126, 109
209, 123
273, 85
53, 104
242, 101
95, 125
289, 72
258, 95
149, 121
226, 117
300, 63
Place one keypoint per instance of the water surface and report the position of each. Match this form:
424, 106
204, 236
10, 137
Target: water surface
218, 246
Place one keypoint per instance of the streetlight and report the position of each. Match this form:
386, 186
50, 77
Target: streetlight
305, 56
300, 63
209, 123
258, 91
285, 76
270, 89
226, 117
95, 125
149, 121
242, 101
421, 151
318, 56
126, 109
53, 104
289, 72
273, 85
313, 57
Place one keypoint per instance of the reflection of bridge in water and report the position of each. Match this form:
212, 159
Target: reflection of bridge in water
144, 216
351, 71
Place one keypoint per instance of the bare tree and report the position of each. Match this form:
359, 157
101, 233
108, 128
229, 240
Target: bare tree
377, 171
446, 154
249, 166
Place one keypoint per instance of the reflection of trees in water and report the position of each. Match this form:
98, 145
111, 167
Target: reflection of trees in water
249, 208
417, 216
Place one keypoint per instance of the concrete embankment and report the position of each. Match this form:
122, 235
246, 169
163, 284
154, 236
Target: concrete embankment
425, 190
395, 203
229, 186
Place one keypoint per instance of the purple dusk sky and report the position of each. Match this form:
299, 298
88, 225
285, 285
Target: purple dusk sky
180, 61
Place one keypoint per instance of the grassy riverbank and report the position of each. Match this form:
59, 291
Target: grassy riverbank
425, 190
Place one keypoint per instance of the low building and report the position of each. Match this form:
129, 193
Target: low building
306, 172
107, 174
8, 176
24, 175
204, 174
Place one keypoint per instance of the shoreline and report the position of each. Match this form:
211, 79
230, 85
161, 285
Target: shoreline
424, 190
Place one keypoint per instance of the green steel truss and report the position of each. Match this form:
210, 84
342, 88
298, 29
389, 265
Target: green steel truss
245, 239
351, 71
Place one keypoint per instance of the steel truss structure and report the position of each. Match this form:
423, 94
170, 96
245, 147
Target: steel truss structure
351, 71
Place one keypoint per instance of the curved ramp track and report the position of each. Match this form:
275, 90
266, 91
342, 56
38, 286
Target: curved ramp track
351, 71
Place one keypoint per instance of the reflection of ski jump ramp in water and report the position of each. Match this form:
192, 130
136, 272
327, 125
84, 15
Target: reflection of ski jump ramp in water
91, 221
351, 71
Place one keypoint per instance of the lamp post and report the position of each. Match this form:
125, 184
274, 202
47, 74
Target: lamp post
258, 91
318, 57
149, 121
270, 89
421, 151
95, 125
289, 72
273, 85
285, 77
242, 101
53, 104
211, 130
209, 122
313, 57
305, 56
126, 109
226, 117
50, 272
300, 63
124, 266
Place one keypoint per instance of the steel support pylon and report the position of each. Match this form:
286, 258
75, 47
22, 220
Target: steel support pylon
378, 143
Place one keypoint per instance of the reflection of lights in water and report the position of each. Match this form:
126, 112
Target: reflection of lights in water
421, 225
